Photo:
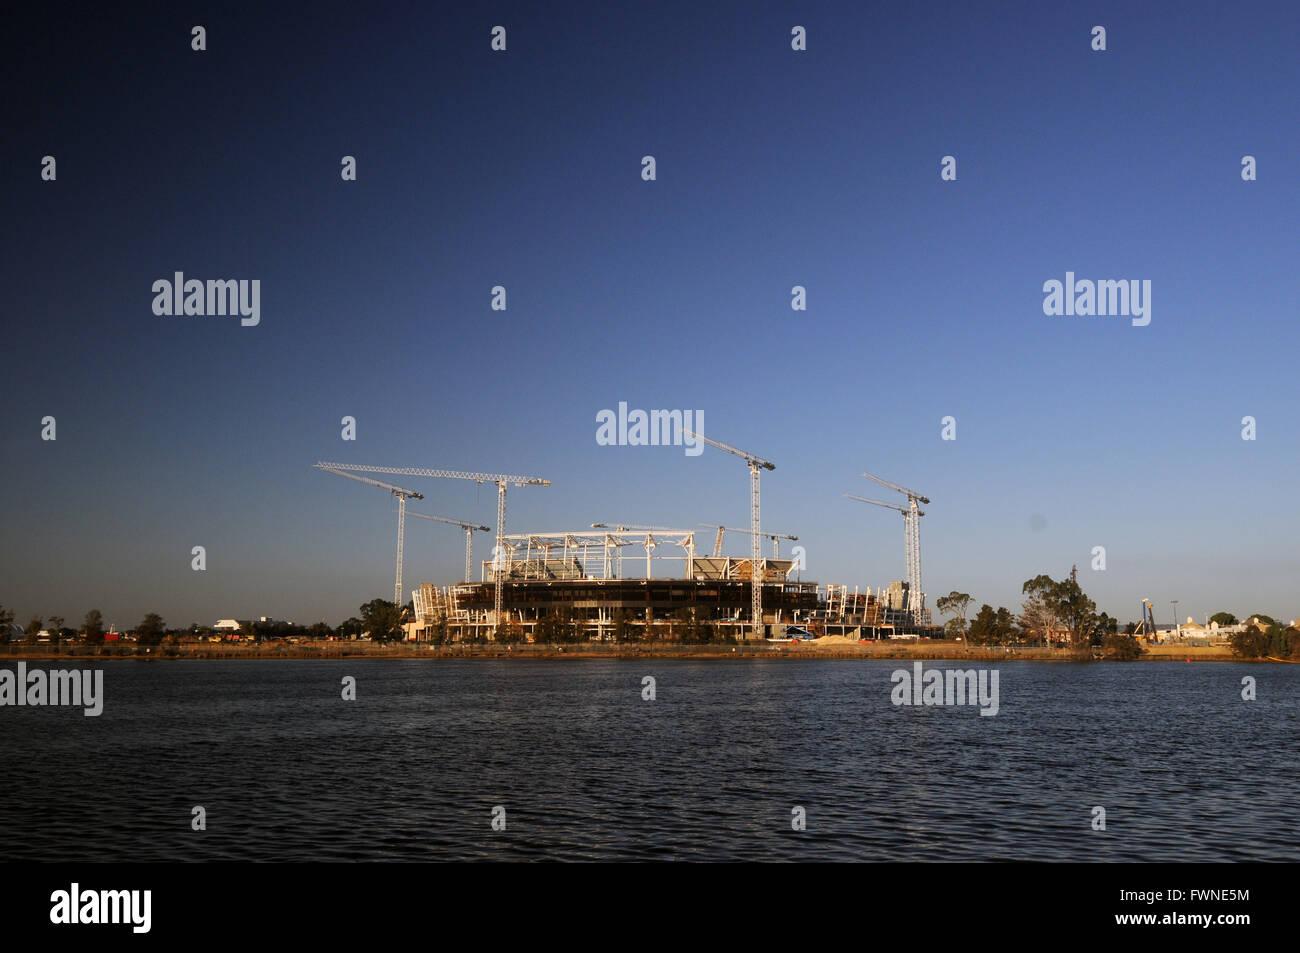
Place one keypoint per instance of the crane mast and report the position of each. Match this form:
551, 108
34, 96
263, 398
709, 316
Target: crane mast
911, 543
502, 480
401, 495
469, 529
912, 527
756, 466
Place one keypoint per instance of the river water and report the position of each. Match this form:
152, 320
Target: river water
582, 767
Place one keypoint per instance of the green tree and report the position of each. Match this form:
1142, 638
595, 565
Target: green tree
984, 627
319, 631
94, 627
1224, 618
683, 626
33, 630
1252, 642
1078, 612
955, 603
1260, 617
351, 628
1053, 604
992, 626
56, 628
1005, 624
703, 632
623, 631
1278, 644
1105, 626
1123, 648
382, 619
557, 626
1040, 613
6, 625
150, 631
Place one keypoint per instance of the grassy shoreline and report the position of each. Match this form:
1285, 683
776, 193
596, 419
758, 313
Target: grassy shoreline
919, 651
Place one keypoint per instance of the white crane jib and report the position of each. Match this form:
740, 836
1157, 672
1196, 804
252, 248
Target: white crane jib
756, 466
402, 495
469, 529
502, 480
774, 537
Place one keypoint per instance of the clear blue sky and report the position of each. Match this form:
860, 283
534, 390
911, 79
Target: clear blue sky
775, 169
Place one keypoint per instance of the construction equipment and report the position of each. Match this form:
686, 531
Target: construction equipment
774, 537
500, 479
912, 527
1147, 627
911, 545
469, 529
402, 496
756, 466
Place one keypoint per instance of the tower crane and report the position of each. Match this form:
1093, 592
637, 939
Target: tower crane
774, 537
908, 535
756, 466
469, 529
912, 531
500, 479
402, 496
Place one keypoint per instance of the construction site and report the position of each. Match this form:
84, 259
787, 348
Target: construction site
613, 581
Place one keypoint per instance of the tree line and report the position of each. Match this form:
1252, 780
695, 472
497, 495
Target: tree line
1054, 608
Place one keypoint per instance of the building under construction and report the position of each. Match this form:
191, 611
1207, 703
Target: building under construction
574, 583
579, 577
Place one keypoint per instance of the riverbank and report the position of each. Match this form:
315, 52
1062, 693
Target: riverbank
920, 650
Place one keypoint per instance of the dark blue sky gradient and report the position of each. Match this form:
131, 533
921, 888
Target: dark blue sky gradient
774, 169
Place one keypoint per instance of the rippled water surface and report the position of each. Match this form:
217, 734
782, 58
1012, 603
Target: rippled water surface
711, 769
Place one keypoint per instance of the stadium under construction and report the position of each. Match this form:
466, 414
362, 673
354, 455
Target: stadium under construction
577, 579
573, 583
